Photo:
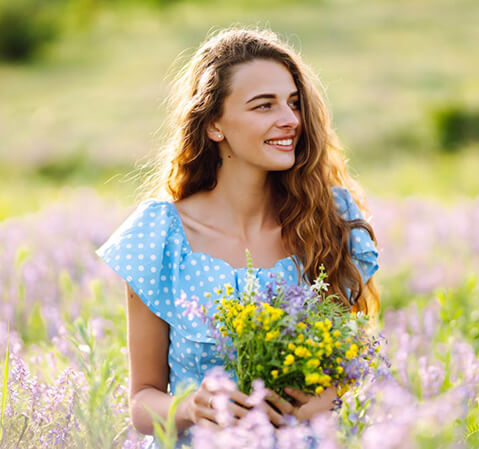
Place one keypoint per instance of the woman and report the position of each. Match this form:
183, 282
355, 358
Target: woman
252, 163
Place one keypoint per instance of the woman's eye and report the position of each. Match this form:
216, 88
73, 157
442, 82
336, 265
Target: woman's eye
295, 104
264, 106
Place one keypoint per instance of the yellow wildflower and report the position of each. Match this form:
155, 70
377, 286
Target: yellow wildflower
289, 360
302, 326
291, 346
271, 335
313, 378
285, 370
341, 389
328, 323
276, 313
301, 351
337, 344
352, 351
300, 338
312, 363
239, 328
336, 333
339, 369
319, 389
319, 325
274, 373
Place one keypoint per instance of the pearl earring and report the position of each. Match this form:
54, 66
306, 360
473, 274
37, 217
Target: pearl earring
220, 136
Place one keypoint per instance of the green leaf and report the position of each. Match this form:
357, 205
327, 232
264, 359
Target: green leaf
24, 252
165, 430
37, 331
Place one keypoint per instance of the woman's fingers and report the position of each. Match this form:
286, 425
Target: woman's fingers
239, 397
237, 411
280, 403
300, 396
276, 418
208, 424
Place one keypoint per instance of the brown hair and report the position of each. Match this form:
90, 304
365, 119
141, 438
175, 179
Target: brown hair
312, 228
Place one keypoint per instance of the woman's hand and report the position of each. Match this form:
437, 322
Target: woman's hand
277, 407
204, 406
306, 406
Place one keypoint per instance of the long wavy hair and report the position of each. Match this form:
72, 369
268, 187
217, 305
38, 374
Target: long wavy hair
188, 162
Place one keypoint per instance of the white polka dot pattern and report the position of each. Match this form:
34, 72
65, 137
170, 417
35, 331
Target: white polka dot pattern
363, 251
159, 264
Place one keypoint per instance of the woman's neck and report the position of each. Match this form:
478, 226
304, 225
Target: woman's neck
244, 197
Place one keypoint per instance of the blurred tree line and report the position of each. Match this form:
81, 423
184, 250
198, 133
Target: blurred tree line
27, 26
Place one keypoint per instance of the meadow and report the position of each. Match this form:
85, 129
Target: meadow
79, 120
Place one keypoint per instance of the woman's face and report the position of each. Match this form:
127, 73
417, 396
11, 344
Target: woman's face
261, 121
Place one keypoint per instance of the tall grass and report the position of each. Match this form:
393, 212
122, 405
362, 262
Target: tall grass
4, 387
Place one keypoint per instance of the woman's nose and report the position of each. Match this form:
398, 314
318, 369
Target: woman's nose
288, 117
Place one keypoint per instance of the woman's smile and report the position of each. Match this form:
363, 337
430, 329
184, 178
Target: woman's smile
284, 144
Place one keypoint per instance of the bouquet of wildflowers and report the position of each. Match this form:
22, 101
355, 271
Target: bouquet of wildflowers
290, 336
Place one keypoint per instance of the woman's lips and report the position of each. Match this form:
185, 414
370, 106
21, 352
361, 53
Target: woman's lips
286, 144
281, 147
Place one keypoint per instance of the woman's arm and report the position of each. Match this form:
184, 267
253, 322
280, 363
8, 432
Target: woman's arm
148, 342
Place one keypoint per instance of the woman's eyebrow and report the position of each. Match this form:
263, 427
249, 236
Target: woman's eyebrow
269, 96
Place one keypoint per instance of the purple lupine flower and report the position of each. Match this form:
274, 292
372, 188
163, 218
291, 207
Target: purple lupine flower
432, 376
256, 398
295, 298
257, 430
221, 402
355, 368
324, 427
192, 307
217, 379
289, 437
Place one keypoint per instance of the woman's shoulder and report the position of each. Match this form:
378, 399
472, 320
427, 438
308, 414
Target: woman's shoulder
152, 208
363, 249
147, 218
345, 204
151, 233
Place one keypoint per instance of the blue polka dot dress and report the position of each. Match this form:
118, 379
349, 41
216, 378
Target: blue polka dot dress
151, 253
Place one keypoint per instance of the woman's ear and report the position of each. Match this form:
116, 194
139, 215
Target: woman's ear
214, 133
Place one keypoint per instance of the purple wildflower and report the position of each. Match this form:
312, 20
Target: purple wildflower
192, 307
256, 398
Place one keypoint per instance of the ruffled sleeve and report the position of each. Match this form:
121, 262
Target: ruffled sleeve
363, 250
146, 251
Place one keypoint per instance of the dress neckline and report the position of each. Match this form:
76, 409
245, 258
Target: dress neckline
200, 253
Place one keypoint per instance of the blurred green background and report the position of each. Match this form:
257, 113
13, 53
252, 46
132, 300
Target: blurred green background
82, 84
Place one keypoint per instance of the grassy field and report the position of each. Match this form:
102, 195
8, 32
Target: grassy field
385, 66
78, 122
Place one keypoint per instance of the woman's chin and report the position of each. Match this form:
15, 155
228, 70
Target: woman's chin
281, 164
